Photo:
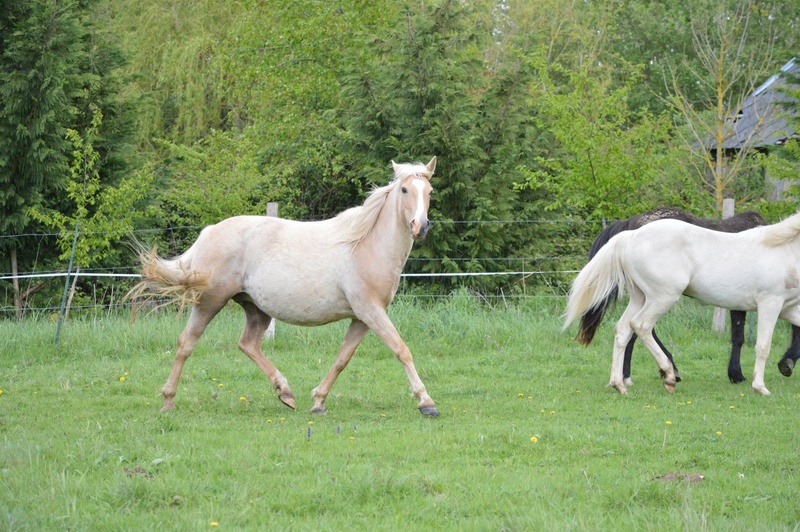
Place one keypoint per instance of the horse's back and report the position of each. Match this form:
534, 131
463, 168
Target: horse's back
719, 268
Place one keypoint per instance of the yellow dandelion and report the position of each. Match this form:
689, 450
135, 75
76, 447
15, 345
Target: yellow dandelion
731, 407
243, 398
126, 373
352, 437
383, 415
214, 523
688, 402
220, 385
534, 439
520, 395
269, 421
310, 422
552, 411
669, 422
719, 433
1, 392
283, 419
122, 379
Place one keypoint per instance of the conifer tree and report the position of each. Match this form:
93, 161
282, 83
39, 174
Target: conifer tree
426, 90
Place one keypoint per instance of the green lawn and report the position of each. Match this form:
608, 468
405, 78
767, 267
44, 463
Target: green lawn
529, 437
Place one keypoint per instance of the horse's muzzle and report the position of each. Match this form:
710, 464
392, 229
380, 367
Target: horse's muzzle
419, 230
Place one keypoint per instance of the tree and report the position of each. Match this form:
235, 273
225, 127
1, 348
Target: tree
602, 151
733, 59
423, 88
41, 43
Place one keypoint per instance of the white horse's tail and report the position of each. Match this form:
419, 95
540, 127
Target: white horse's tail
169, 281
782, 232
600, 278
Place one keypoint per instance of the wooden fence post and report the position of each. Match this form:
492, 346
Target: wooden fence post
718, 324
272, 210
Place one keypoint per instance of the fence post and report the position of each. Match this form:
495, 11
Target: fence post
718, 324
272, 210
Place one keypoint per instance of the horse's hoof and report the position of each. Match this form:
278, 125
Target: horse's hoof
319, 410
287, 398
670, 386
785, 366
431, 411
166, 408
620, 388
628, 381
761, 391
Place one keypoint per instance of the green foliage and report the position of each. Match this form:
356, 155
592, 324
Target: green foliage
421, 88
602, 152
103, 214
41, 50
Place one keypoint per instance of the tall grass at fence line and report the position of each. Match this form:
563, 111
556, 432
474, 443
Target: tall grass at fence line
529, 436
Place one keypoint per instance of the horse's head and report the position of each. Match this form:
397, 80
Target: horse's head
415, 195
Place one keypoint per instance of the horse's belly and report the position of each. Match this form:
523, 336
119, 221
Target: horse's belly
301, 304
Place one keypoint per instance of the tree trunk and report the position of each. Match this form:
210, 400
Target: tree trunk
15, 282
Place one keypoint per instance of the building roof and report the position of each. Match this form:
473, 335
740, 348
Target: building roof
763, 119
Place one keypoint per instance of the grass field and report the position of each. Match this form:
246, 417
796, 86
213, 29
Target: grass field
529, 437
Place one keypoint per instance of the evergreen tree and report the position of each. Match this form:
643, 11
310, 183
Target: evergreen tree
54, 69
424, 89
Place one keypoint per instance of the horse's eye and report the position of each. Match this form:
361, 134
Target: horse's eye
404, 190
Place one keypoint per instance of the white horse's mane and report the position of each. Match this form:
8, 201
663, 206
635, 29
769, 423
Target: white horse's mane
782, 232
356, 223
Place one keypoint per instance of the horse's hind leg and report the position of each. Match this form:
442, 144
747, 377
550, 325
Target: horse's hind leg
623, 339
643, 324
626, 366
355, 333
198, 321
250, 343
737, 340
787, 362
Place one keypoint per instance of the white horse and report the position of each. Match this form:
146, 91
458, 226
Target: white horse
755, 270
304, 273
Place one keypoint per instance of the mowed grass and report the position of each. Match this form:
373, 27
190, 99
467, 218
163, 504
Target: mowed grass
529, 436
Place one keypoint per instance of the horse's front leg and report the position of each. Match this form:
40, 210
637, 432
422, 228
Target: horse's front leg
379, 322
737, 340
355, 333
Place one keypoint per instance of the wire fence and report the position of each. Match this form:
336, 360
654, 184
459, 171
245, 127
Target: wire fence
102, 290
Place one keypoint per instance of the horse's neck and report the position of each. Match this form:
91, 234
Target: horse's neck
389, 242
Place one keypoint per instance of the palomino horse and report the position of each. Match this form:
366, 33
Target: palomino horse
304, 273
755, 270
740, 222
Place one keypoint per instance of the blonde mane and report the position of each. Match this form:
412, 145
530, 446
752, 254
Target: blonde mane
782, 232
356, 223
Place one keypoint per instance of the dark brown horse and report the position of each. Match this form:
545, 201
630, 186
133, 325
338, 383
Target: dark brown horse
740, 222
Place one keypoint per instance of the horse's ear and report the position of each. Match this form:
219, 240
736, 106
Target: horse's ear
394, 167
431, 166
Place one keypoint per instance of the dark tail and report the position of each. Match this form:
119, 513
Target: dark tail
594, 316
